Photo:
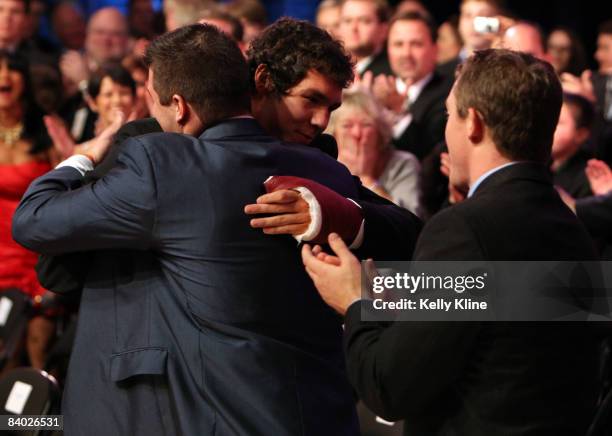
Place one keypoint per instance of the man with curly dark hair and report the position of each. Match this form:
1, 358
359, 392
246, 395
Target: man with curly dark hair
298, 73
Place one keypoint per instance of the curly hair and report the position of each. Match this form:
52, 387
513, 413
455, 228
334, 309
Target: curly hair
290, 48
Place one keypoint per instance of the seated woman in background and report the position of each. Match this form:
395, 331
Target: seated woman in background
363, 134
25, 154
110, 89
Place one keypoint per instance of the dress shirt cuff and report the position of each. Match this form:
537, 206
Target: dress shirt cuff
79, 162
316, 217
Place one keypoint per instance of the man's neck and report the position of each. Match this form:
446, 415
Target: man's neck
197, 127
487, 161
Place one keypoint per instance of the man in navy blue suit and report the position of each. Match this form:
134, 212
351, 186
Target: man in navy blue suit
184, 327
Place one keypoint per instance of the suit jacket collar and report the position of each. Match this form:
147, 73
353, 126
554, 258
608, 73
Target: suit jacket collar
233, 127
432, 91
533, 171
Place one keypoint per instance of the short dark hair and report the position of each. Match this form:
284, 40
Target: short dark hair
519, 98
117, 73
290, 48
582, 110
605, 28
205, 67
416, 16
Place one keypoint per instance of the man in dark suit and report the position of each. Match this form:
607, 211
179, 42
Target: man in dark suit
480, 378
417, 92
184, 327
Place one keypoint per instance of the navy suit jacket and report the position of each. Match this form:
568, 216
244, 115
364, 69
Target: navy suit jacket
478, 378
191, 321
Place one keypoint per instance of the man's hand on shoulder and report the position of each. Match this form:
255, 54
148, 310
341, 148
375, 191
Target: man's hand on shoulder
306, 210
290, 213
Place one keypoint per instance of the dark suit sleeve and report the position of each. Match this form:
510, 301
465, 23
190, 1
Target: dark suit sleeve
390, 231
56, 215
400, 369
66, 273
596, 214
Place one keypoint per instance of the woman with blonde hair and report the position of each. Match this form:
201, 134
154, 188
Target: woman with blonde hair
363, 132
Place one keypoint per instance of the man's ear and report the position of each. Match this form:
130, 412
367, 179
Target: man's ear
475, 126
263, 81
181, 109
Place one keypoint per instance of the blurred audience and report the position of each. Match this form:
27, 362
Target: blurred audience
364, 146
139, 72
566, 52
568, 153
252, 15
25, 154
16, 25
363, 30
449, 40
106, 41
472, 38
12, 23
69, 25
526, 37
143, 21
411, 6
178, 13
226, 22
110, 89
417, 93
328, 16
600, 176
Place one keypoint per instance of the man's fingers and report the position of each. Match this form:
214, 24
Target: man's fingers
254, 209
281, 220
367, 79
293, 229
310, 261
329, 259
339, 247
312, 274
281, 196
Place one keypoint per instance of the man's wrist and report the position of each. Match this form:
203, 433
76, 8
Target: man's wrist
91, 157
79, 162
